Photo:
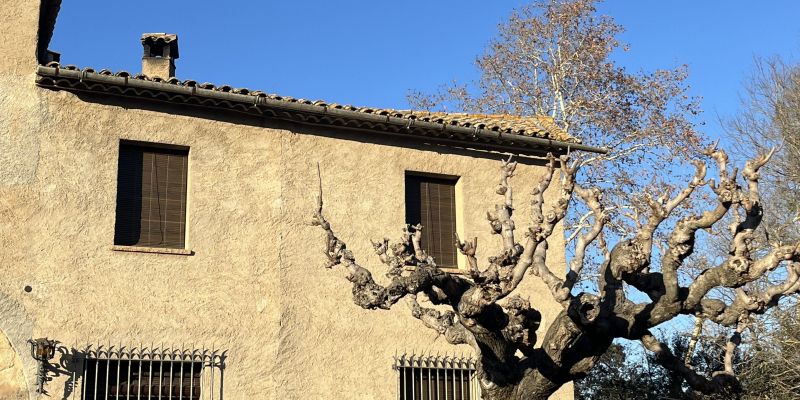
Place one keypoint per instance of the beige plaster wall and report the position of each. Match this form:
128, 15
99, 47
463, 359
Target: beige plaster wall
12, 379
19, 22
255, 285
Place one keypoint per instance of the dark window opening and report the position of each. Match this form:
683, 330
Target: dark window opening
431, 201
151, 197
156, 50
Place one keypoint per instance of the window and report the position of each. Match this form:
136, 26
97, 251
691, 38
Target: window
117, 373
145, 379
431, 201
436, 378
151, 196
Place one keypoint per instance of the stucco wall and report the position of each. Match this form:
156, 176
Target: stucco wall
255, 285
12, 379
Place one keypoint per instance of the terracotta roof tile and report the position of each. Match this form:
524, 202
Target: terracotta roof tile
533, 126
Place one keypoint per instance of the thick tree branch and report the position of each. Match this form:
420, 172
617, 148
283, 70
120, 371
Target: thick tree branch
469, 249
635, 254
543, 226
679, 246
500, 220
752, 303
738, 271
445, 323
732, 344
751, 204
592, 199
507, 270
693, 339
720, 383
369, 294
523, 321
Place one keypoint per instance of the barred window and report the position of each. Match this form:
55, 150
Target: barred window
117, 373
431, 201
436, 378
151, 196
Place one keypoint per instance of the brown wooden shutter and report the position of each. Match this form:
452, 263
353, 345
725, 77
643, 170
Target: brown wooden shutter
151, 197
432, 202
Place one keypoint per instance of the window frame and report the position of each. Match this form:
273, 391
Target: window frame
182, 249
457, 182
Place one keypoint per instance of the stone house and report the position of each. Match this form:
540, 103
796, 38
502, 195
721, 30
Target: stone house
156, 228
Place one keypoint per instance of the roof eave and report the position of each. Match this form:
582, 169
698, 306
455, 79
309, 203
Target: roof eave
260, 105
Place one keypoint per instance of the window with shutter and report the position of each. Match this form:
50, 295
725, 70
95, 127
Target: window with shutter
151, 196
431, 201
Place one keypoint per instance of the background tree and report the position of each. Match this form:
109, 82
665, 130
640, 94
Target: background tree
621, 375
770, 117
618, 375
772, 369
554, 58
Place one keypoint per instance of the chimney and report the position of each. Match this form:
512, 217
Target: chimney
160, 53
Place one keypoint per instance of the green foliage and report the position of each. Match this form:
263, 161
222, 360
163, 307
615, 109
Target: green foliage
621, 375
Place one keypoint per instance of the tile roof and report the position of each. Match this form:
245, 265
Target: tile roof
488, 128
537, 125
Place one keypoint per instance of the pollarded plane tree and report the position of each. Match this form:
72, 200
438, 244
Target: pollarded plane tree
484, 311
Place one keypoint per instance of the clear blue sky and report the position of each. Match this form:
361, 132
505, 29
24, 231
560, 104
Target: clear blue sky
371, 53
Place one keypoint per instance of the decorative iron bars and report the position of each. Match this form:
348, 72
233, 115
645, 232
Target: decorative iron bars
436, 378
141, 373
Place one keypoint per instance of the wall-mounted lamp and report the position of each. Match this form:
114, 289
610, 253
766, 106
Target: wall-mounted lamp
42, 350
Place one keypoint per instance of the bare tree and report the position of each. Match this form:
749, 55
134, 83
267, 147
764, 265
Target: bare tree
485, 311
770, 117
772, 368
555, 58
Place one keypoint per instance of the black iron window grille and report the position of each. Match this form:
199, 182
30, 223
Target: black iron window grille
436, 378
151, 373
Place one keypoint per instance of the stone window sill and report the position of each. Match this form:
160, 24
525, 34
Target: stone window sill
456, 271
154, 250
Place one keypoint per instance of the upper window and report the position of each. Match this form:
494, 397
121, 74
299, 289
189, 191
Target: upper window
151, 196
431, 201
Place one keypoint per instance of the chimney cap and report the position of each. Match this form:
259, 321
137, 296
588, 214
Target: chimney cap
161, 40
153, 37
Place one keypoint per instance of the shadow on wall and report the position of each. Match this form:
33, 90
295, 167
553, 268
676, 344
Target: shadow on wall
111, 371
338, 132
